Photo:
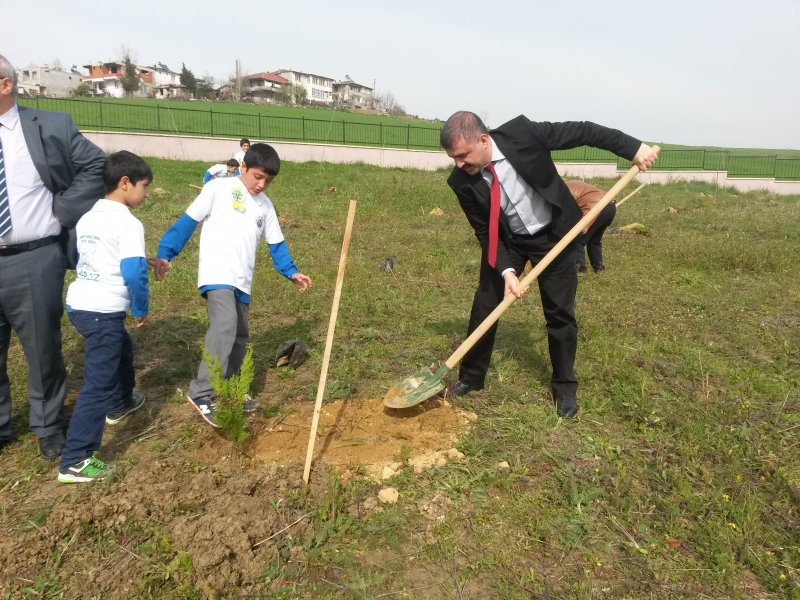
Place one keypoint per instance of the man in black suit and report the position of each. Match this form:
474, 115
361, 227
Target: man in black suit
519, 207
50, 175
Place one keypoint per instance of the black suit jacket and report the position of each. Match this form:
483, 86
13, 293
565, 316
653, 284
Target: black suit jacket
70, 166
526, 145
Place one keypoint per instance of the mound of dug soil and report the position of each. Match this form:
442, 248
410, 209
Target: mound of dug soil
217, 515
362, 432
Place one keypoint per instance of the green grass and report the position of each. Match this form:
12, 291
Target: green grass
680, 478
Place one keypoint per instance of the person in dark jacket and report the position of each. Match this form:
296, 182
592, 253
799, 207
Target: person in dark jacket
518, 205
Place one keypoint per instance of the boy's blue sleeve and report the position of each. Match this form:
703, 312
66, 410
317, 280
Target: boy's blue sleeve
134, 274
175, 238
207, 177
282, 260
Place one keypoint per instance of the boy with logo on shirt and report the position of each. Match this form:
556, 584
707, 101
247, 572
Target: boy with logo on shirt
229, 169
236, 216
244, 145
111, 279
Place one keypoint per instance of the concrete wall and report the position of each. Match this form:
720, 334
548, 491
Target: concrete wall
213, 150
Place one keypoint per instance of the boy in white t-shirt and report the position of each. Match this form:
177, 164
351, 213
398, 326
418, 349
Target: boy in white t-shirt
111, 280
236, 216
229, 169
244, 145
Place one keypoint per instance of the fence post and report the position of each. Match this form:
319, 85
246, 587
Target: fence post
158, 117
343, 136
381, 134
101, 113
259, 127
408, 137
304, 128
37, 102
211, 117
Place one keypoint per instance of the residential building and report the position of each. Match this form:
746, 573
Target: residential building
103, 79
166, 83
319, 89
264, 87
352, 94
48, 81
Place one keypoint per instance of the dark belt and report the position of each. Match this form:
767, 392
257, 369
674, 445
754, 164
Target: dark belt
28, 246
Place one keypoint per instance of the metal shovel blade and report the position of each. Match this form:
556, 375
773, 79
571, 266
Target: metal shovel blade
419, 387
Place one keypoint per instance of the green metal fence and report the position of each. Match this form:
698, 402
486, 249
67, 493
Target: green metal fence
113, 116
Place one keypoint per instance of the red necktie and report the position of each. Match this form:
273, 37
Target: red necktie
494, 214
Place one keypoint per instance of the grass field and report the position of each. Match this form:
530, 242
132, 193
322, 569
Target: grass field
680, 477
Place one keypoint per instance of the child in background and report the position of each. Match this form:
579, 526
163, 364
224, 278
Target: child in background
229, 169
244, 145
111, 279
236, 216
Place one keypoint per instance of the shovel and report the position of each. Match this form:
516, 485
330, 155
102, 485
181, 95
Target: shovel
426, 383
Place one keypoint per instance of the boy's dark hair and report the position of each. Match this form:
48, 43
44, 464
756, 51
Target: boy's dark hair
263, 156
244, 141
123, 163
233, 163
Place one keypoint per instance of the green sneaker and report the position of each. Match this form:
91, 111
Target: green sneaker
86, 471
137, 402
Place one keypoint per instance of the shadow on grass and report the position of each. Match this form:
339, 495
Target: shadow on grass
513, 340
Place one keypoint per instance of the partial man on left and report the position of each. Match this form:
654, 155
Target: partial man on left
50, 175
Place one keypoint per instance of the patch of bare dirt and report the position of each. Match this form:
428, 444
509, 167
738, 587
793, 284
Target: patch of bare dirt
362, 432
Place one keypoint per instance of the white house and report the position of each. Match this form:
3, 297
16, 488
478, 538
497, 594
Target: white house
103, 79
166, 83
318, 88
350, 93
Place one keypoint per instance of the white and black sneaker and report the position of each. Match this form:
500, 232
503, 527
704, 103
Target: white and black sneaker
206, 406
136, 403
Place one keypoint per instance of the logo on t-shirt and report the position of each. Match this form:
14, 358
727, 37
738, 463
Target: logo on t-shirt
237, 197
260, 222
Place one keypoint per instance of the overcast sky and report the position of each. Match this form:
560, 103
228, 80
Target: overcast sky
699, 72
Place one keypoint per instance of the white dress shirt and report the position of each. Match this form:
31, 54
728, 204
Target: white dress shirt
29, 201
527, 211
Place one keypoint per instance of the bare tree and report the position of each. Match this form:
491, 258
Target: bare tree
56, 64
388, 102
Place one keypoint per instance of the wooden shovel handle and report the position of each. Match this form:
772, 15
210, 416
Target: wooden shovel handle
323, 376
543, 264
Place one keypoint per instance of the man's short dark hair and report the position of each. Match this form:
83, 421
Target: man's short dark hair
243, 142
123, 163
462, 125
263, 156
233, 163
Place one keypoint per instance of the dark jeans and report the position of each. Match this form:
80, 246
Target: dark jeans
108, 381
557, 286
592, 240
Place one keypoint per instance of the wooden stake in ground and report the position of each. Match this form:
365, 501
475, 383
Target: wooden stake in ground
621, 202
197, 187
323, 376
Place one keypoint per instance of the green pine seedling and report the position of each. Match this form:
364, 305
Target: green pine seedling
230, 393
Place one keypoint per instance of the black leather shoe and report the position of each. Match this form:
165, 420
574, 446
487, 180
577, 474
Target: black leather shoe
566, 406
51, 446
4, 441
460, 388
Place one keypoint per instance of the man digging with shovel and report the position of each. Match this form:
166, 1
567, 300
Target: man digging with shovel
520, 208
